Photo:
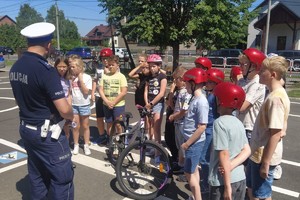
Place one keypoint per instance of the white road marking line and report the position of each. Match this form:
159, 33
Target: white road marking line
13, 166
285, 191
290, 163
5, 88
293, 102
294, 115
9, 109
102, 165
93, 163
12, 145
4, 77
2, 83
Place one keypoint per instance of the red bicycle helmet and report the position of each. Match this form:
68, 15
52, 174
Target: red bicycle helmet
106, 52
235, 71
197, 75
215, 75
154, 58
205, 62
255, 56
230, 95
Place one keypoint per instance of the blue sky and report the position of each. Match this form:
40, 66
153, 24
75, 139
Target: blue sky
85, 13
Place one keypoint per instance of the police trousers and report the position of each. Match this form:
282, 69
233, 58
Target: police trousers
49, 164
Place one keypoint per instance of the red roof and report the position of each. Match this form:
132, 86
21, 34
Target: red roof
99, 33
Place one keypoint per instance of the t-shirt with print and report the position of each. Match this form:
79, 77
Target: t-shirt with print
78, 98
255, 94
112, 85
154, 86
182, 103
229, 134
273, 115
197, 114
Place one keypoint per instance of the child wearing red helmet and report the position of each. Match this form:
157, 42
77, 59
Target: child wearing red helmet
194, 127
95, 96
215, 77
230, 146
250, 62
203, 63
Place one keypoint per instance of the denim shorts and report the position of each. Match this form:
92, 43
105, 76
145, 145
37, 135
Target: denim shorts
192, 157
159, 108
113, 114
261, 188
82, 110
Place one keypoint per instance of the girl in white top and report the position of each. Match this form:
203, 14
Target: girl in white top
81, 87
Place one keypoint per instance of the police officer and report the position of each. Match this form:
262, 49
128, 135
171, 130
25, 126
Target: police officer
42, 103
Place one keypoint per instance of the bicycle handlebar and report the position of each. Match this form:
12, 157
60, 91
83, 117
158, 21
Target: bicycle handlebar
143, 111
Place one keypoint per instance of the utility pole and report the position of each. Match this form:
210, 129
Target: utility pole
267, 28
57, 26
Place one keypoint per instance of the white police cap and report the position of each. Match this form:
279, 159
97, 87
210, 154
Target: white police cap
38, 32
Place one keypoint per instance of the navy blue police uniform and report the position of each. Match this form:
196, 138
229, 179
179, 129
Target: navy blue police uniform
35, 85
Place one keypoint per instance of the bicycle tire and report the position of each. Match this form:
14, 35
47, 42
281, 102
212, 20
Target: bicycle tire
116, 142
143, 179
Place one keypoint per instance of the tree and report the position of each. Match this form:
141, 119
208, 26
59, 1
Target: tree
10, 36
27, 16
68, 31
174, 22
221, 23
161, 23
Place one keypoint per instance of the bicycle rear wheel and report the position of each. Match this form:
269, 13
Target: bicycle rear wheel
141, 176
116, 141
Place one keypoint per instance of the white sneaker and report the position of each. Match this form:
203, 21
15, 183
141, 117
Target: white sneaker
87, 150
277, 172
76, 149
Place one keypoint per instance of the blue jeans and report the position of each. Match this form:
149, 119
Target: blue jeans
261, 188
192, 157
49, 165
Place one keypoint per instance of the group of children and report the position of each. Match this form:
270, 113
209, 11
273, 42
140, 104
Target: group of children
214, 121
232, 132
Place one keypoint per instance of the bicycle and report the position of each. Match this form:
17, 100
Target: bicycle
140, 174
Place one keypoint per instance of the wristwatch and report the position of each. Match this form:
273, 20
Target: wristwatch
151, 104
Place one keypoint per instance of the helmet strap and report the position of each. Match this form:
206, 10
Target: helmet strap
248, 71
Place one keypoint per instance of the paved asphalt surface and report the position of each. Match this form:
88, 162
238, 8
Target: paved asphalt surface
94, 179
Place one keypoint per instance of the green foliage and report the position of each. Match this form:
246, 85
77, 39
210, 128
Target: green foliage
222, 23
10, 36
27, 16
212, 23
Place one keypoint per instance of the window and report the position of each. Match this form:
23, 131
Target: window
281, 42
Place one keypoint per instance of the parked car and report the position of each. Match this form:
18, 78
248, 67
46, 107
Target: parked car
2, 62
83, 52
231, 55
291, 55
9, 50
121, 52
6, 50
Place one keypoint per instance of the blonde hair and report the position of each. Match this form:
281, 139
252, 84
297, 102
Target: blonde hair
179, 71
243, 57
276, 64
78, 62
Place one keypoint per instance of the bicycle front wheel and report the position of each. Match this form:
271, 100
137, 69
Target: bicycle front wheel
116, 141
142, 175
